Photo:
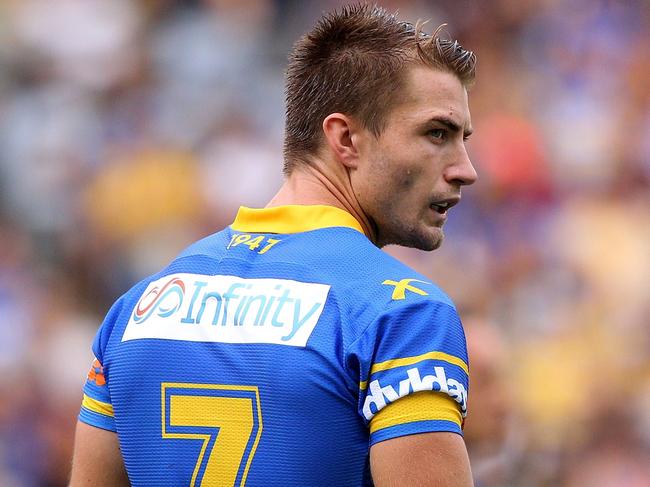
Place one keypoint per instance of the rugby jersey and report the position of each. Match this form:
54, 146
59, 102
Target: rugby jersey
275, 353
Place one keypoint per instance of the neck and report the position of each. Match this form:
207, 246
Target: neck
316, 184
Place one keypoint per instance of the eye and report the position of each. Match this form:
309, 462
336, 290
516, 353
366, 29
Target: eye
438, 133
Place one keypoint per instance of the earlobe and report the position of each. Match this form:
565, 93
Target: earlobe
342, 139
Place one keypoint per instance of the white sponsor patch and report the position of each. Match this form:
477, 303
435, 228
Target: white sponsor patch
380, 396
227, 309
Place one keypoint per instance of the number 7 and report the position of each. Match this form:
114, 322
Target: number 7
226, 418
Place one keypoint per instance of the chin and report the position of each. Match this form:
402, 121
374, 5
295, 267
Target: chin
435, 245
429, 245
426, 240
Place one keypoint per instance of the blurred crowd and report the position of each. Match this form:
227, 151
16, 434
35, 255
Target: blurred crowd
130, 128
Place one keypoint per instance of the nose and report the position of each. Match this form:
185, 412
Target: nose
461, 172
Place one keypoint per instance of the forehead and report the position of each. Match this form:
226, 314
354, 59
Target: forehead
429, 92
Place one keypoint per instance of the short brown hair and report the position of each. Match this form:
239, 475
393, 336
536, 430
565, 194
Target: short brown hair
352, 62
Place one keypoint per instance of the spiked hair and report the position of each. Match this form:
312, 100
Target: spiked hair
353, 62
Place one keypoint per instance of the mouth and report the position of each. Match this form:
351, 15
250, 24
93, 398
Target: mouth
441, 206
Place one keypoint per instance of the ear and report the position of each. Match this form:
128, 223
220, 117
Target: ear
342, 135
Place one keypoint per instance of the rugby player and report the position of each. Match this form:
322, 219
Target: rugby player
288, 349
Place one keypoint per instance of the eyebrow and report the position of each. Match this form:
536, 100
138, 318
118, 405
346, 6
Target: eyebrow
452, 125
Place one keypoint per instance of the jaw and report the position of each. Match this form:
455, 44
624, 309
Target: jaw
431, 239
421, 236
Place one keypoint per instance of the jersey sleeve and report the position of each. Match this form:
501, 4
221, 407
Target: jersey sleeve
413, 370
96, 407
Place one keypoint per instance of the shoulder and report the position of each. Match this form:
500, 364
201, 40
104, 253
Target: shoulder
412, 342
376, 279
379, 298
210, 246
160, 290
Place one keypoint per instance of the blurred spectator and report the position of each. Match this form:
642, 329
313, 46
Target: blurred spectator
488, 431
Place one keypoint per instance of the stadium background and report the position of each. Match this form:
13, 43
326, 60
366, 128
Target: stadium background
129, 129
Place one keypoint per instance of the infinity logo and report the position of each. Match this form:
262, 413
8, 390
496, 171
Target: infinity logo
165, 301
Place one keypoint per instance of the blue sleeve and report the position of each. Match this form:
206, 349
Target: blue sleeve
414, 350
96, 407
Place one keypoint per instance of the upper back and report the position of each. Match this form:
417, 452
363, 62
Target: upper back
275, 333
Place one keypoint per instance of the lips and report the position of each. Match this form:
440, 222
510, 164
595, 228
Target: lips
441, 206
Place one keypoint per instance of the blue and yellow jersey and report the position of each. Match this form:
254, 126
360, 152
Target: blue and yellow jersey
273, 353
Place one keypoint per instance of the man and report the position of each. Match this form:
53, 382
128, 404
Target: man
287, 349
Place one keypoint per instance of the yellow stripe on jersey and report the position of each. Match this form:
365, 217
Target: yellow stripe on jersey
292, 219
420, 406
401, 362
97, 406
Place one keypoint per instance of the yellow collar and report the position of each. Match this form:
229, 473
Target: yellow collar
292, 219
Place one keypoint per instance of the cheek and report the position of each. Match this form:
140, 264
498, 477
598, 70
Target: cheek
413, 186
397, 178
405, 181
406, 176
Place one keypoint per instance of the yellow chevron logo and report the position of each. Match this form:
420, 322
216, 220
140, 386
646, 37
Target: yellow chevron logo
405, 285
